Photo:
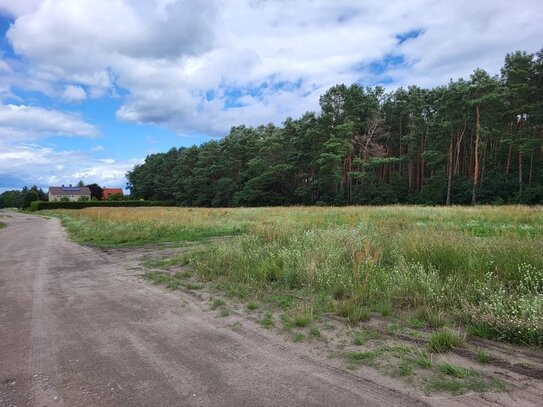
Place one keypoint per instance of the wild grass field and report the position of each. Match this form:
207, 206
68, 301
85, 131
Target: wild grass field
480, 268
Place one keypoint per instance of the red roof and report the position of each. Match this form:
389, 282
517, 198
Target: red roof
107, 192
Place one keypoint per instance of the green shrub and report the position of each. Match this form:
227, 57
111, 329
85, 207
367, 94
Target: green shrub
42, 205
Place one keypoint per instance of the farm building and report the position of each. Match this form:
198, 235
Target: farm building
107, 192
72, 193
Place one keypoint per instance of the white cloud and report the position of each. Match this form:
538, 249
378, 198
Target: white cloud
22, 122
19, 7
180, 60
74, 94
44, 166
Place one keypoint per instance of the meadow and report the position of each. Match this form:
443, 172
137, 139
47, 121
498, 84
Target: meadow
479, 268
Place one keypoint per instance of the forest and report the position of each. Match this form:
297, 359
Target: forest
474, 141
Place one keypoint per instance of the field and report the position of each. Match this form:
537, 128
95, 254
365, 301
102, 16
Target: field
477, 268
438, 298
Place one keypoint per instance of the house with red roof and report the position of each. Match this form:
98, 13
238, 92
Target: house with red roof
107, 192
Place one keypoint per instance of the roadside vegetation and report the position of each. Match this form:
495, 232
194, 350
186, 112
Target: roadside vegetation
405, 291
476, 268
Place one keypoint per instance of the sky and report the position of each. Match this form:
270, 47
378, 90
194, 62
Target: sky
89, 88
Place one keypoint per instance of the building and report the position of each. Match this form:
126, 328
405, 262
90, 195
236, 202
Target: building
72, 193
107, 192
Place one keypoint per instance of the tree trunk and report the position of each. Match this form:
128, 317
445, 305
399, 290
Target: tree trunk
520, 170
458, 147
476, 158
449, 173
508, 160
531, 168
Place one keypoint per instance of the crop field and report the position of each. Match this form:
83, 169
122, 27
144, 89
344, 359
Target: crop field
476, 268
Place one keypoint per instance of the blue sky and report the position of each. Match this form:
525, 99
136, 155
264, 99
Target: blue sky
88, 88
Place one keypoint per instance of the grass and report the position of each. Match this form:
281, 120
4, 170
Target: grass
314, 331
422, 359
456, 371
481, 357
458, 380
216, 303
182, 260
483, 265
362, 337
365, 358
302, 315
444, 341
268, 322
252, 305
224, 312
433, 318
353, 312
298, 337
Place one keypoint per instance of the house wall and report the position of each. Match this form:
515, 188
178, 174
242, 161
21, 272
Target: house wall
70, 197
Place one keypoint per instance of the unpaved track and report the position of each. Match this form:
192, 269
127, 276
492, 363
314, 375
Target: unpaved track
79, 330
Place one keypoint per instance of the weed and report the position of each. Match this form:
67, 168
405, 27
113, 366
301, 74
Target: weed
298, 337
416, 323
361, 337
301, 315
445, 384
216, 303
366, 358
194, 286
268, 321
404, 369
353, 312
432, 317
252, 305
400, 351
224, 312
383, 308
182, 260
314, 331
456, 371
444, 341
422, 359
481, 356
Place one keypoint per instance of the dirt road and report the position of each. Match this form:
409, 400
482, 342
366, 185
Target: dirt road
78, 330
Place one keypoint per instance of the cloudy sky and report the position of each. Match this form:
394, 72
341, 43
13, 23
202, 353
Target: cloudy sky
88, 88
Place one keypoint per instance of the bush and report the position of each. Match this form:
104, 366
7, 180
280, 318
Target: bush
41, 205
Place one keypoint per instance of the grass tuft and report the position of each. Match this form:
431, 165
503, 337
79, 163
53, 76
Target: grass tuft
433, 318
353, 312
216, 303
444, 341
252, 305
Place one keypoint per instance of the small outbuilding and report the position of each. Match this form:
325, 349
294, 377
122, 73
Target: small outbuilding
107, 192
72, 193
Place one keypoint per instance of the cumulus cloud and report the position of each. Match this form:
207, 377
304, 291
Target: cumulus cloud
19, 7
26, 164
205, 66
74, 94
22, 122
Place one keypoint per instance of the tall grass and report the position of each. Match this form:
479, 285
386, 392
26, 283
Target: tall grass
483, 265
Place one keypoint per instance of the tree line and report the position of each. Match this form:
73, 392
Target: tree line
470, 141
